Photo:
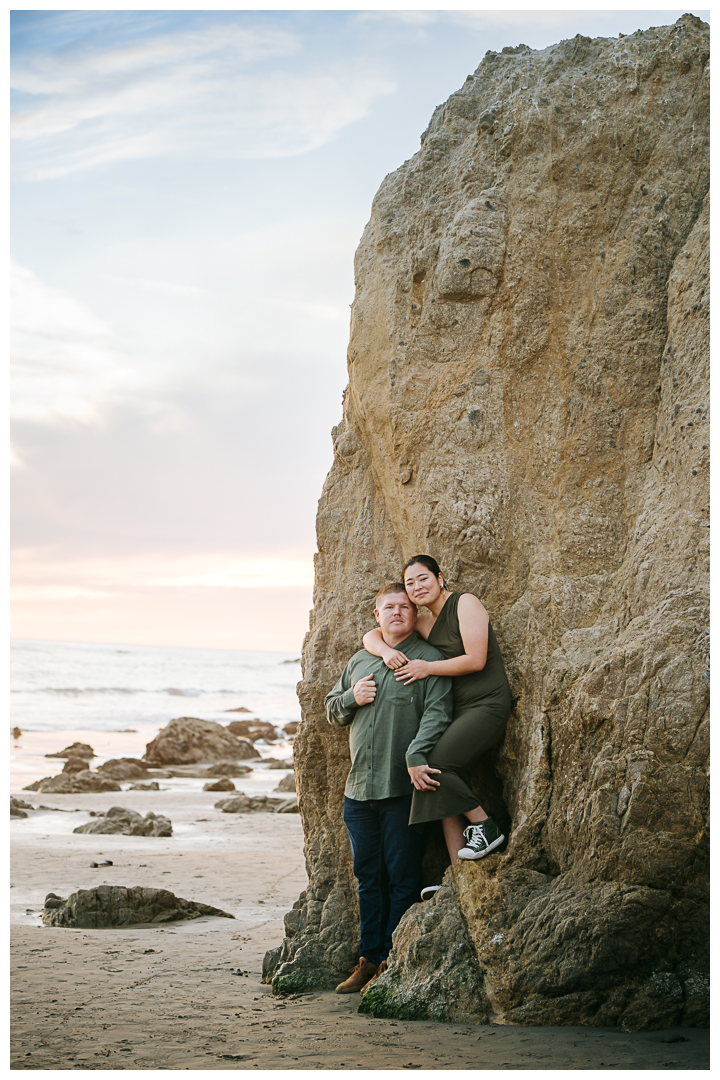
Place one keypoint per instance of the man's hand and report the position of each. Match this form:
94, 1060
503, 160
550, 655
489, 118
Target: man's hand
420, 776
412, 671
364, 690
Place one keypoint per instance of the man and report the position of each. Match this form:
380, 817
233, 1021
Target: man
392, 729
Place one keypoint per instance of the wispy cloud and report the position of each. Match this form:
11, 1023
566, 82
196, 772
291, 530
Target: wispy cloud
38, 573
64, 364
221, 91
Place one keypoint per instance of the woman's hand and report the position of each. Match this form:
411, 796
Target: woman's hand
394, 659
419, 774
413, 670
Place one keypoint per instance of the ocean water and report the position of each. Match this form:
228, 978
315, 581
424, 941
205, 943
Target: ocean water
117, 697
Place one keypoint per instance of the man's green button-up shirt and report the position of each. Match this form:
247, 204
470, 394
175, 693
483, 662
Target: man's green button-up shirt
398, 729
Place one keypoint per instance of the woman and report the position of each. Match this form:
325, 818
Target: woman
457, 624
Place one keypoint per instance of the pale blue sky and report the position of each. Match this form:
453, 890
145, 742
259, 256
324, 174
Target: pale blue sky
188, 191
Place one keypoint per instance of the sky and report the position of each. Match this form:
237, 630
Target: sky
188, 190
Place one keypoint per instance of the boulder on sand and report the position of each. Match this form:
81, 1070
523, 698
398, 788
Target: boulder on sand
16, 733
116, 905
291, 728
187, 740
249, 804
152, 786
76, 764
240, 708
118, 819
76, 749
253, 730
287, 783
126, 768
223, 784
73, 783
18, 807
227, 768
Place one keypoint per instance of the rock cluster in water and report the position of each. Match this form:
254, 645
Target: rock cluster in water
527, 401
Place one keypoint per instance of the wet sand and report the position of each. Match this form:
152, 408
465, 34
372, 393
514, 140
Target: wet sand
188, 995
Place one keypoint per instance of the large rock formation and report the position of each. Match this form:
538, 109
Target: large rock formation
527, 400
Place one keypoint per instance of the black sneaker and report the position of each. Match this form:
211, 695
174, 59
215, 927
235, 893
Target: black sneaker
481, 840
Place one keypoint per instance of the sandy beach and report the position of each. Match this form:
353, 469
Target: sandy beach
188, 995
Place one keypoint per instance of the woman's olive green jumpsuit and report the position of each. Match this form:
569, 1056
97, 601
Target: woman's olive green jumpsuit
481, 707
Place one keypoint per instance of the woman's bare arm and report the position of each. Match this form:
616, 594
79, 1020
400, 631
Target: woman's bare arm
473, 620
374, 643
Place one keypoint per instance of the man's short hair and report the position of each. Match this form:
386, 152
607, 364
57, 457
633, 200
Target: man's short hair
392, 587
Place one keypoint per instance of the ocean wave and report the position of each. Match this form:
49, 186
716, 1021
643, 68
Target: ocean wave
74, 691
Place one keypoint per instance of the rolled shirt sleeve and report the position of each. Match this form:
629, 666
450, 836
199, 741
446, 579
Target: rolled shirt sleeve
340, 703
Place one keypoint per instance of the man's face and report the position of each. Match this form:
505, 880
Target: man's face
396, 616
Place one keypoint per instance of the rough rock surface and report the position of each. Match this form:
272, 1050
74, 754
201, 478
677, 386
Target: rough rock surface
115, 905
124, 769
287, 783
223, 784
119, 819
73, 783
19, 806
75, 750
253, 730
527, 401
187, 740
249, 804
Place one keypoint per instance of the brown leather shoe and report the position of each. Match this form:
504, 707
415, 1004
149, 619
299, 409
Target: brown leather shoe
359, 975
382, 966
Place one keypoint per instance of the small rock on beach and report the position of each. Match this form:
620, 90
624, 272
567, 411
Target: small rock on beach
77, 750
253, 730
75, 765
73, 783
223, 784
249, 804
227, 768
125, 768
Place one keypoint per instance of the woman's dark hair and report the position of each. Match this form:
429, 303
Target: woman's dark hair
424, 560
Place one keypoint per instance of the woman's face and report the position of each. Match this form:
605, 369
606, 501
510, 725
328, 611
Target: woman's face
422, 586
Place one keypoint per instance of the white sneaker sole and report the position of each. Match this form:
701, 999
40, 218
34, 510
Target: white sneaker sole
468, 853
429, 891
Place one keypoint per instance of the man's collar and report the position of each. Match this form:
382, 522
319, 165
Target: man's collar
412, 634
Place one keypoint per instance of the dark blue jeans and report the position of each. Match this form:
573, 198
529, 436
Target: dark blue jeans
386, 862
